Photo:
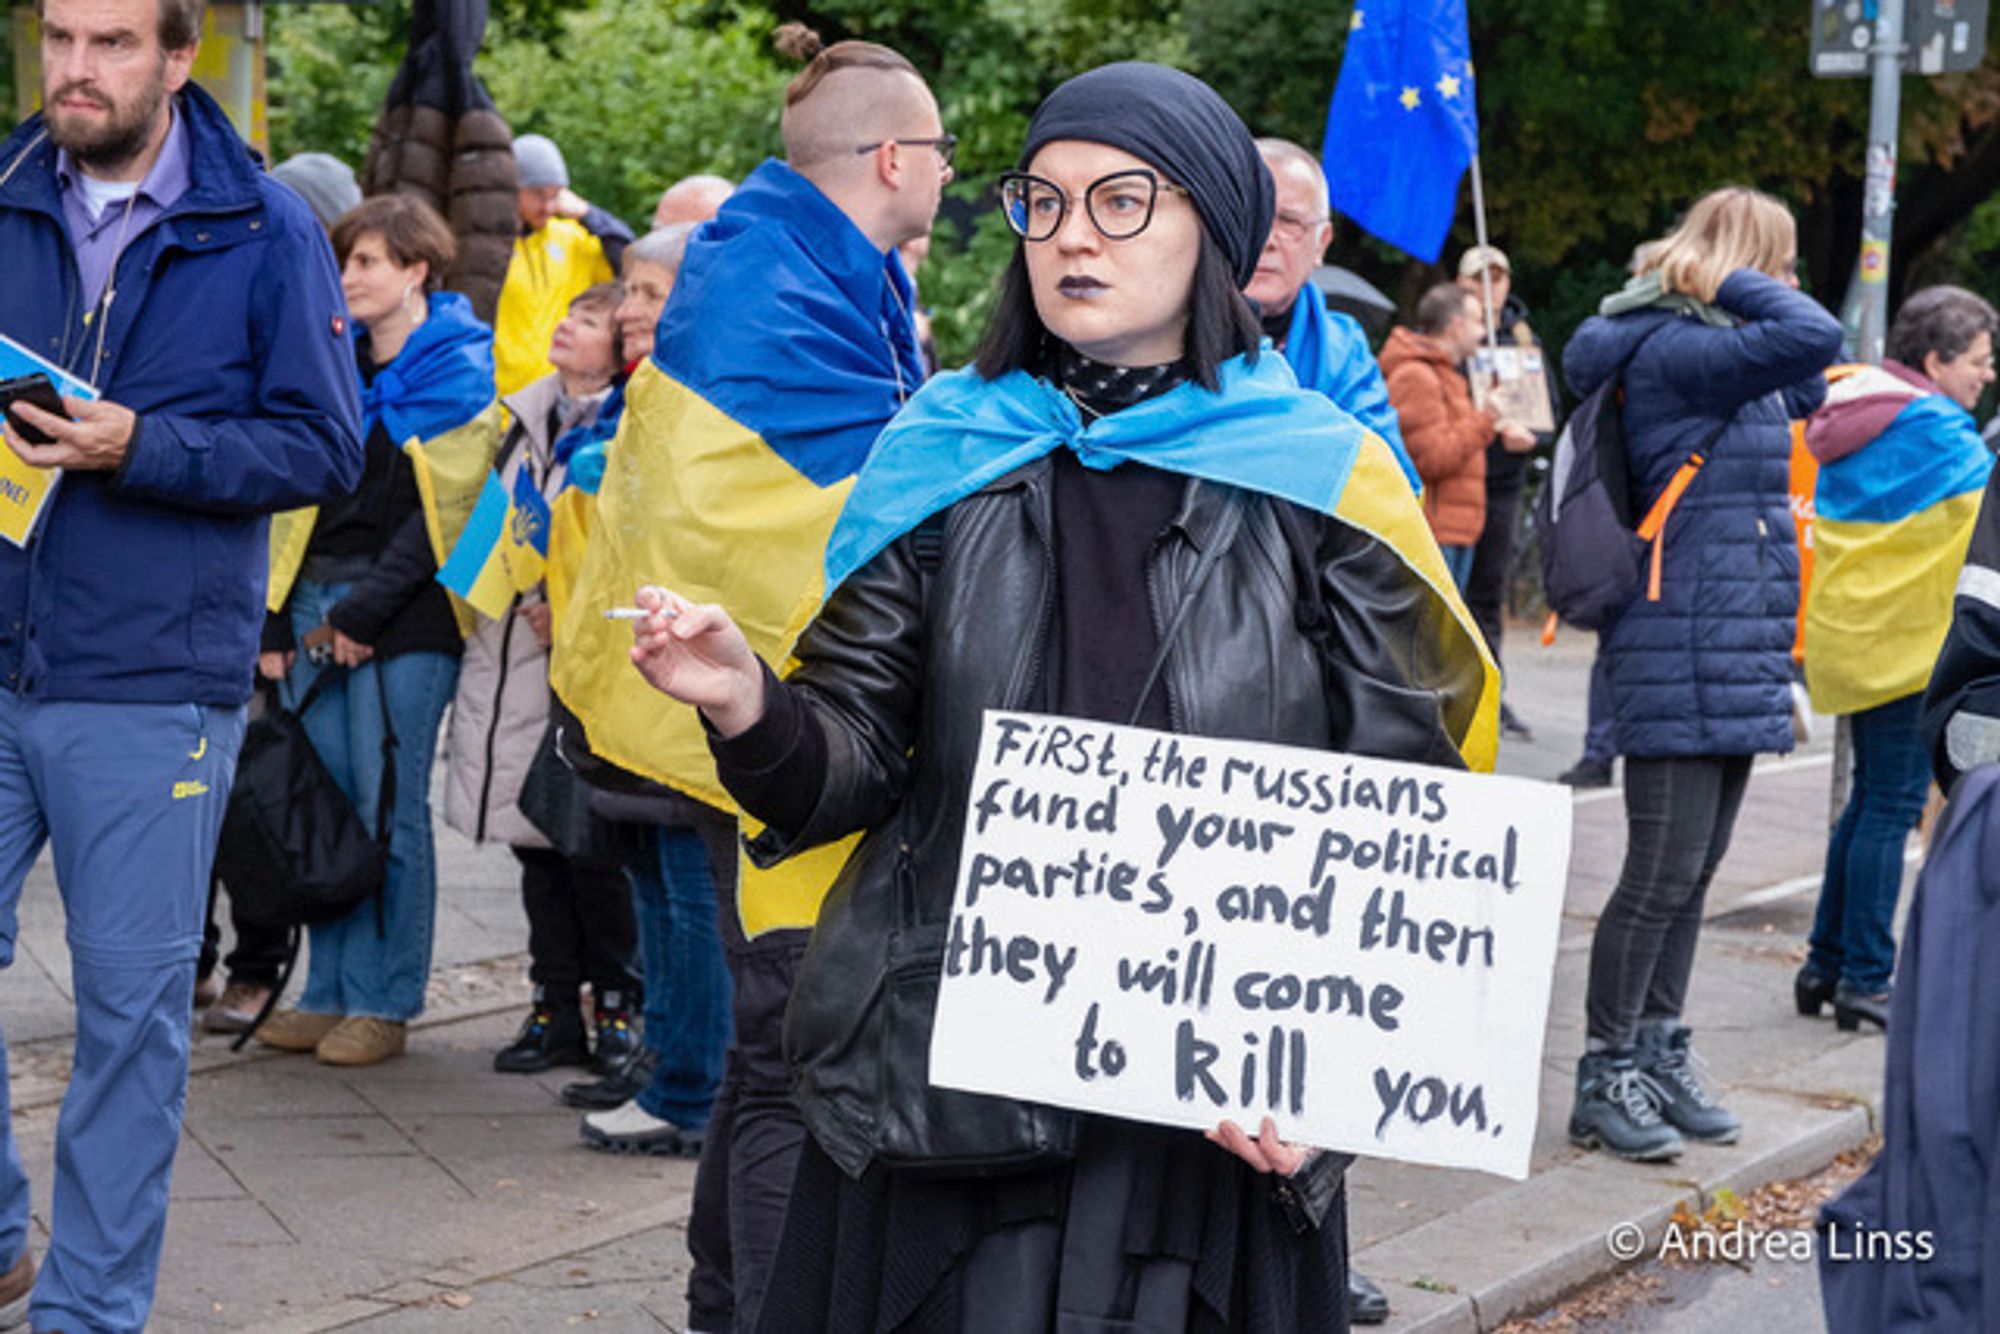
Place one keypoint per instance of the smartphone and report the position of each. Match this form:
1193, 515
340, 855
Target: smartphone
36, 389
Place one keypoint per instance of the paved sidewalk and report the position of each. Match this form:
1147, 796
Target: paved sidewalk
432, 1194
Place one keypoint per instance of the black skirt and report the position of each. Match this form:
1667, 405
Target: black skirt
1148, 1231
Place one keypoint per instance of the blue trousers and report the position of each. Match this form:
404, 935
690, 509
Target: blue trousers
1458, 560
1853, 931
366, 965
131, 798
688, 1024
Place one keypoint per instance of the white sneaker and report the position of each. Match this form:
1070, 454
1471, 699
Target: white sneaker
630, 1128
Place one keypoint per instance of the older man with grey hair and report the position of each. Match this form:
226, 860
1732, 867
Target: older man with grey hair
692, 199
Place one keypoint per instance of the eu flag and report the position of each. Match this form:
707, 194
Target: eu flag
1402, 127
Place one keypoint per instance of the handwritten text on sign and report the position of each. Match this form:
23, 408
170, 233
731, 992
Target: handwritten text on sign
1181, 930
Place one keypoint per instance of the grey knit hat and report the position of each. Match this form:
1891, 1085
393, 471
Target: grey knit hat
323, 181
539, 161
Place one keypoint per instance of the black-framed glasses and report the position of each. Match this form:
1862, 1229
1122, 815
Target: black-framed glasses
1119, 205
945, 144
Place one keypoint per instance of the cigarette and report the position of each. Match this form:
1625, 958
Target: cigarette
636, 613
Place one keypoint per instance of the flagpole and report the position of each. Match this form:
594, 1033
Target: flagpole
1485, 269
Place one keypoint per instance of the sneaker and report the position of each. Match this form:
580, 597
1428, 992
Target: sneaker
296, 1030
206, 991
548, 1038
615, 1089
1617, 1108
237, 1009
1512, 725
630, 1128
362, 1040
16, 1286
1667, 1057
616, 1042
1586, 772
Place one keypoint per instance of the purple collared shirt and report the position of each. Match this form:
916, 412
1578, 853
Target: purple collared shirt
97, 243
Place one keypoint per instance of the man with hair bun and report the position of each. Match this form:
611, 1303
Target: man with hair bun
149, 257
786, 345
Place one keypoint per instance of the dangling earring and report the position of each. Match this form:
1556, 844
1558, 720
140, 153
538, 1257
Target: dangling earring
417, 313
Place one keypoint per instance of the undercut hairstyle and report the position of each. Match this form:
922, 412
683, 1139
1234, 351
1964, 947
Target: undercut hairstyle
847, 95
1221, 323
1942, 319
665, 246
410, 229
1439, 306
1278, 151
180, 22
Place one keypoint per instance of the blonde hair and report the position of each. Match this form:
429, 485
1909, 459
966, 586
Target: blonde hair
1733, 228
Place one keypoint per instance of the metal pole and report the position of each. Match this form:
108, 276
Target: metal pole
1479, 239
1878, 203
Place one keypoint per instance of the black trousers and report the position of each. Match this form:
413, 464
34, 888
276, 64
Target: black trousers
1493, 554
749, 1160
256, 957
1679, 815
581, 928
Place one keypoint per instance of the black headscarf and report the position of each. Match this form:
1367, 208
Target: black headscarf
1180, 125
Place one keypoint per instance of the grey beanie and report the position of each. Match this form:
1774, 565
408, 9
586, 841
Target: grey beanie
323, 181
539, 161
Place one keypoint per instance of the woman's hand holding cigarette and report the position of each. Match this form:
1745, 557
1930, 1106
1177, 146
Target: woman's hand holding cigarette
695, 654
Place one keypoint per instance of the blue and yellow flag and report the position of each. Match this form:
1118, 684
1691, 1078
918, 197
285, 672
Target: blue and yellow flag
1893, 520
504, 547
785, 347
1402, 127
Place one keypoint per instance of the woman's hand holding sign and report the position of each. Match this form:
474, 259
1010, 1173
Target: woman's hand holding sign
697, 655
1264, 1151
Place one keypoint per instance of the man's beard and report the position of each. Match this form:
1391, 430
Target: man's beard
114, 142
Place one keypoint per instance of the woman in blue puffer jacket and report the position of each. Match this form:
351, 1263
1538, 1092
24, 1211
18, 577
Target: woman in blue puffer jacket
1718, 352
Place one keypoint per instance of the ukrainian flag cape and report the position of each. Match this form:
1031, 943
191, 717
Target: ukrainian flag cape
1329, 353
1893, 522
1258, 432
786, 345
435, 401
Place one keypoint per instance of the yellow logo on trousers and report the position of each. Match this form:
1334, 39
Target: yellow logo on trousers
192, 787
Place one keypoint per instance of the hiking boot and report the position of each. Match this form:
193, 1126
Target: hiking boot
1617, 1108
614, 1089
548, 1038
1851, 1008
1586, 772
632, 1129
616, 1042
296, 1030
16, 1286
362, 1040
1666, 1056
237, 1009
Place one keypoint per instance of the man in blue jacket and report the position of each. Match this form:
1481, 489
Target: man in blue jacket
148, 255
1327, 349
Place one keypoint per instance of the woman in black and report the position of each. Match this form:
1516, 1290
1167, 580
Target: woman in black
1122, 513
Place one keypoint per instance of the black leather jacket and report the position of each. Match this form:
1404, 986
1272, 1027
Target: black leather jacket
908, 653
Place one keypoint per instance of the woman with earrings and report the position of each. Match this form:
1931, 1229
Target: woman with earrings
1122, 511
364, 600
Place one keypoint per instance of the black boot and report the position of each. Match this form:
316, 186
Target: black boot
615, 1089
1618, 1107
617, 1043
1367, 1304
1811, 989
1851, 1008
1667, 1057
551, 1036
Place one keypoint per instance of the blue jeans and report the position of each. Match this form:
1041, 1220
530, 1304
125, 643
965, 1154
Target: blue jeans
131, 797
364, 964
688, 1024
1852, 934
1458, 560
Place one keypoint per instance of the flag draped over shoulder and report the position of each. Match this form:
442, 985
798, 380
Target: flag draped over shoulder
1892, 522
1329, 352
1402, 128
785, 347
962, 432
435, 402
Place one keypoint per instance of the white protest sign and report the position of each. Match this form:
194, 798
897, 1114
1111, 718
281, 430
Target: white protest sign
1183, 929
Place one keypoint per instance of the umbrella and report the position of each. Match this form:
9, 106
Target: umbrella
1349, 292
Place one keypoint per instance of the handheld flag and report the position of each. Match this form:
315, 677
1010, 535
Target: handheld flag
1402, 128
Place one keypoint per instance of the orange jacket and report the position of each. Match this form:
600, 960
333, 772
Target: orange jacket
1446, 435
